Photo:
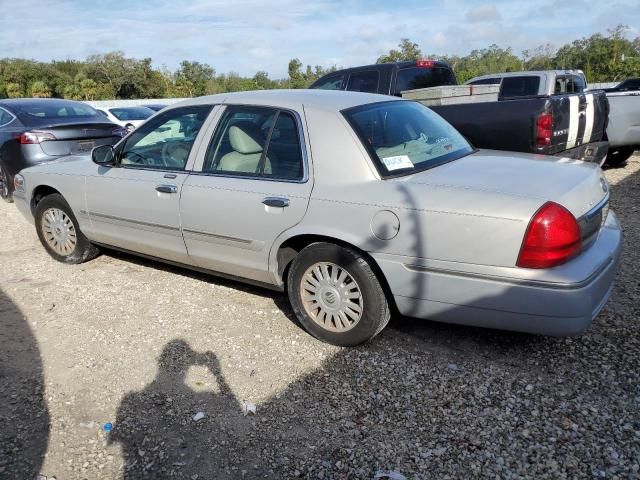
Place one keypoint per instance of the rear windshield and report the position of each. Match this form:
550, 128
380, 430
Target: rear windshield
132, 113
514, 87
45, 112
404, 137
417, 77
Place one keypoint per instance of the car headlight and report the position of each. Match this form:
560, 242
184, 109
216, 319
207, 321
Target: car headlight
18, 183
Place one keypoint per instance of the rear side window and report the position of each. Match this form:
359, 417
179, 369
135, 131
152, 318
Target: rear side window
333, 82
256, 142
514, 87
364, 81
415, 77
485, 81
5, 117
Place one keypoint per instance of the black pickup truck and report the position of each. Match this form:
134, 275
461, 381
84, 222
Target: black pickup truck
530, 115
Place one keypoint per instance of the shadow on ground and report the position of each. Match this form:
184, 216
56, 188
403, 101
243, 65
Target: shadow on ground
24, 416
429, 400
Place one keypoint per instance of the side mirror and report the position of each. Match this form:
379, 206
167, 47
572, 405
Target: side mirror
103, 155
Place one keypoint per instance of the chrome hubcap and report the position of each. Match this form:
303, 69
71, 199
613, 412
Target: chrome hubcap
58, 231
331, 297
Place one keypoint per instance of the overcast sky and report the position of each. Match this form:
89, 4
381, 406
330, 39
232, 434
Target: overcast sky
248, 35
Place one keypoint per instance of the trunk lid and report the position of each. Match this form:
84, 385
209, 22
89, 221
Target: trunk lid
77, 138
576, 185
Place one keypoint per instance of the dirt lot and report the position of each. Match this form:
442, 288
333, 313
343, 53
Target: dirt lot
146, 347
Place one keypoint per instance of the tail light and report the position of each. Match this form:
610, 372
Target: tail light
544, 129
34, 136
425, 63
119, 132
552, 238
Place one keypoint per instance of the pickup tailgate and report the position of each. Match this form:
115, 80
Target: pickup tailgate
578, 119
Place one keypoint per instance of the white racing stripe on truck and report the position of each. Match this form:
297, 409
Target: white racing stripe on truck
589, 112
574, 103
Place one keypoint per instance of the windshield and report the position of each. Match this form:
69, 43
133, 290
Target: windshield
403, 137
132, 113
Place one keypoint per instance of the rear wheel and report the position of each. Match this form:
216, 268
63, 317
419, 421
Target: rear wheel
59, 232
5, 185
336, 295
618, 157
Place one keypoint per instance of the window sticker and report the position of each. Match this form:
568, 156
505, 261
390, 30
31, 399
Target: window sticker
397, 162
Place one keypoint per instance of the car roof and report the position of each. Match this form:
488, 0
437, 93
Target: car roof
25, 102
320, 99
527, 73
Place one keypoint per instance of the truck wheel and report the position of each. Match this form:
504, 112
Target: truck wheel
59, 232
5, 185
336, 295
618, 157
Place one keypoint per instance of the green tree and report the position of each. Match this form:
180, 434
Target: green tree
407, 50
192, 77
14, 90
40, 89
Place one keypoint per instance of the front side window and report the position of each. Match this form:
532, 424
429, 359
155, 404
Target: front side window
403, 137
256, 142
165, 142
364, 81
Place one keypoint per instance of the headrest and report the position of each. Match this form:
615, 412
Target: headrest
245, 138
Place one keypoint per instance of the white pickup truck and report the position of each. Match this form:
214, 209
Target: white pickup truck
623, 128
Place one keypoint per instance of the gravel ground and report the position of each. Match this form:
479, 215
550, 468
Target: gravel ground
148, 347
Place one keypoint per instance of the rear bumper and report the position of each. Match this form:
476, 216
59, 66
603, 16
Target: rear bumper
539, 306
589, 152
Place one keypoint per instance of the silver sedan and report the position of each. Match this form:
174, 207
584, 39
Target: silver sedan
356, 205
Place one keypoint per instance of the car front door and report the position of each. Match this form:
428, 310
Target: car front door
250, 183
134, 205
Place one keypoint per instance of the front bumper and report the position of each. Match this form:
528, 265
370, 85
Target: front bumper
565, 302
589, 152
20, 201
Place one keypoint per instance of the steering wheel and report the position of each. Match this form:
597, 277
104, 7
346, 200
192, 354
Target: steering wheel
135, 157
174, 154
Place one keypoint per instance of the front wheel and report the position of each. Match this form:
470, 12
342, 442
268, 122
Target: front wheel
59, 232
336, 295
5, 185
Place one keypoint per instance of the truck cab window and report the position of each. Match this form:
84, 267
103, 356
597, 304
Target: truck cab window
364, 81
334, 82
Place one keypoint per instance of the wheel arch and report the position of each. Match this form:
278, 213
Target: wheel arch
291, 246
39, 193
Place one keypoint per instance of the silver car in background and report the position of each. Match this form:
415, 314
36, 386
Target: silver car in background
355, 204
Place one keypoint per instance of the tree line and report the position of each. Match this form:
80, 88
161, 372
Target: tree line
610, 57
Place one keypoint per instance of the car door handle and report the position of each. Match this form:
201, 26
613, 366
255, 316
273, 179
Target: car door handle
167, 189
280, 202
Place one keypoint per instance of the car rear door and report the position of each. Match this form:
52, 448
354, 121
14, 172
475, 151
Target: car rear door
135, 205
251, 182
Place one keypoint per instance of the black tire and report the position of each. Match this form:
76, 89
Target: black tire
375, 308
6, 187
84, 250
618, 157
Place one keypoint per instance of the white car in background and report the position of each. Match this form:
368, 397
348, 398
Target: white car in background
128, 117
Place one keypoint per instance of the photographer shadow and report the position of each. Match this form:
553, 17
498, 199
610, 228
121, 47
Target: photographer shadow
157, 430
